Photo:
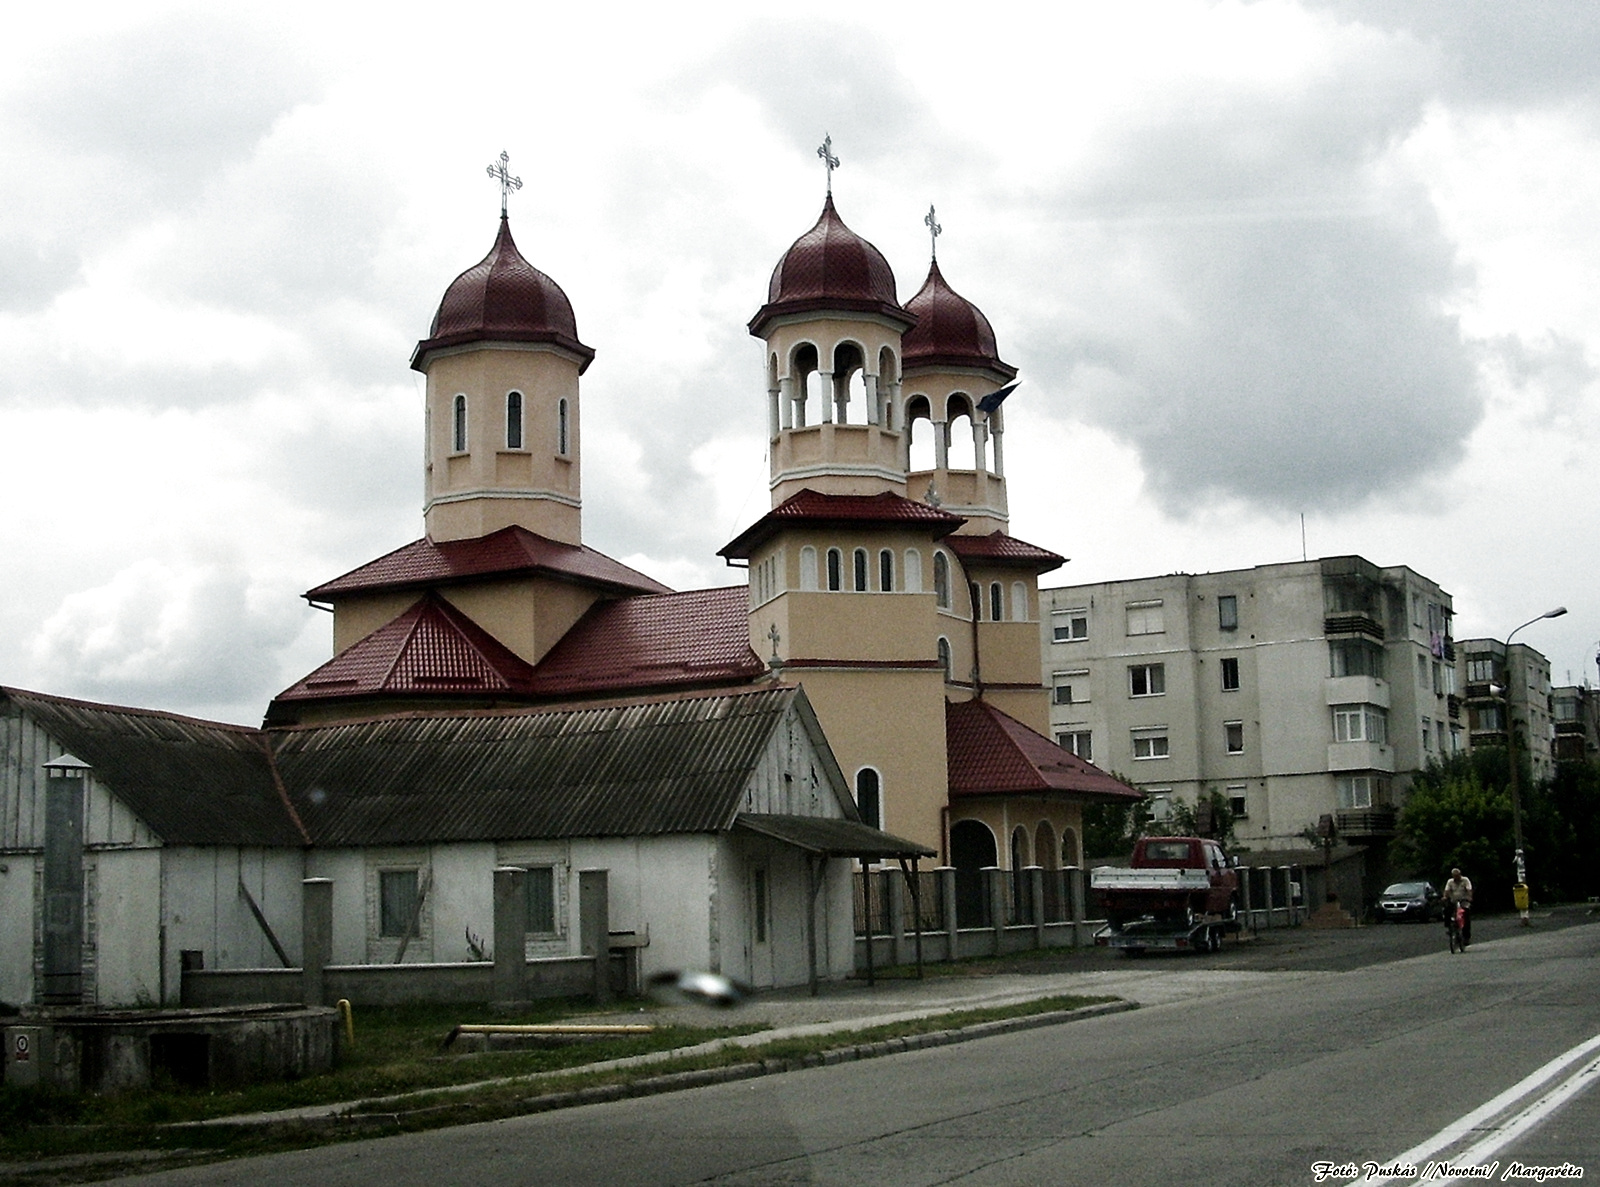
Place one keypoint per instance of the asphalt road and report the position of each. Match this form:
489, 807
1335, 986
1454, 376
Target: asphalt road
1254, 1086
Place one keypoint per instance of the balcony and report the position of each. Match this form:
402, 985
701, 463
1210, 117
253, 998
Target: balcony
1352, 624
1455, 707
1366, 822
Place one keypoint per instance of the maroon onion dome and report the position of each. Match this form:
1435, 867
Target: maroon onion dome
831, 268
503, 298
950, 332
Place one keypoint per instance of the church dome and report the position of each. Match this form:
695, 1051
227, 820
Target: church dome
951, 331
831, 268
503, 298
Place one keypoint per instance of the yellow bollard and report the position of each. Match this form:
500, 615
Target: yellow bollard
349, 1020
1519, 896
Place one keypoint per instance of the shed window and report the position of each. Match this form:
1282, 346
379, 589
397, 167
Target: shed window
541, 884
397, 901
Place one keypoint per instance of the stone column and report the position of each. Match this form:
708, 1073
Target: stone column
1245, 899
994, 885
316, 942
996, 432
1035, 875
874, 405
1268, 892
1075, 895
895, 900
941, 445
510, 935
594, 927
774, 416
825, 395
946, 876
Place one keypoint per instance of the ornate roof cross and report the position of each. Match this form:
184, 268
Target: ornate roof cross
828, 159
501, 173
772, 633
934, 231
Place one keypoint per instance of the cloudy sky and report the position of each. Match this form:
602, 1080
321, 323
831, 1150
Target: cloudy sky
1254, 261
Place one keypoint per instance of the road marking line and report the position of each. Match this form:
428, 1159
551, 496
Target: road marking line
1584, 1078
1456, 1130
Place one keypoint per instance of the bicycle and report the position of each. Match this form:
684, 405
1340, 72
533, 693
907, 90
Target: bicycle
1455, 923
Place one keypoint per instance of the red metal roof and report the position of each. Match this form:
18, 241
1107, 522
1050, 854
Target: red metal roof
992, 753
509, 551
809, 508
503, 298
660, 641
997, 548
830, 267
950, 332
432, 649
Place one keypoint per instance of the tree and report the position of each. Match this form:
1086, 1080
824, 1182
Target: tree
1458, 813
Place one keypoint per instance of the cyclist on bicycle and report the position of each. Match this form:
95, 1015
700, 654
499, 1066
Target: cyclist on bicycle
1458, 892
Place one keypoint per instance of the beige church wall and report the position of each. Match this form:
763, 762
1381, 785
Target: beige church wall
480, 516
892, 721
354, 618
16, 927
1028, 706
1010, 653
862, 626
127, 927
529, 614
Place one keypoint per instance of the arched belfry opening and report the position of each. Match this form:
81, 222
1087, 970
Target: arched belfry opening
961, 431
849, 384
921, 435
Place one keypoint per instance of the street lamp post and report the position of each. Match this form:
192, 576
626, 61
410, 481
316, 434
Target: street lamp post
1516, 779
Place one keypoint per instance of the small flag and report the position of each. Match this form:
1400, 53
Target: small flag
994, 399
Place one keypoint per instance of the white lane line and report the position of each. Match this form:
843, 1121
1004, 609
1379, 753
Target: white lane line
1456, 1130
1500, 1135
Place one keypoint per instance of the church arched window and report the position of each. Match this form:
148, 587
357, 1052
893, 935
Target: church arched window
913, 578
458, 425
869, 797
941, 580
563, 428
808, 567
858, 563
944, 656
513, 420
835, 570
1019, 602
886, 571
997, 603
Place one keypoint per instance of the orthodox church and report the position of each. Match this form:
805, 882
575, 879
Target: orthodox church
503, 694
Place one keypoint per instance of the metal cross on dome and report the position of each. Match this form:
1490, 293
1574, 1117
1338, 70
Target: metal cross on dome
934, 230
828, 159
502, 174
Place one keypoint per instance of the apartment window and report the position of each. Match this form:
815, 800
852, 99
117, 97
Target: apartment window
835, 569
1238, 802
1230, 673
1150, 744
1069, 626
858, 565
397, 902
1356, 791
997, 603
869, 802
1228, 612
1233, 734
1147, 680
541, 896
941, 580
1427, 735
1071, 688
1438, 679
1160, 803
458, 425
513, 420
886, 571
1485, 717
1480, 669
1146, 618
1080, 742
1422, 671
1417, 611
1355, 657
1360, 723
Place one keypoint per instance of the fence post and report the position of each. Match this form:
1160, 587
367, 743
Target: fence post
594, 926
510, 935
994, 885
1245, 900
316, 937
1075, 890
895, 899
1035, 876
946, 876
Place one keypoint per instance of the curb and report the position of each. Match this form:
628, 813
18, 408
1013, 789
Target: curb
465, 1112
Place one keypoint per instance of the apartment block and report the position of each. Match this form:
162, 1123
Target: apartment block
1298, 690
1496, 678
1576, 709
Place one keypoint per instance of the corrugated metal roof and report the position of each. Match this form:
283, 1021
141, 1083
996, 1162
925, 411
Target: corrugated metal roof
997, 548
829, 837
665, 766
809, 508
992, 753
432, 649
696, 638
509, 551
192, 782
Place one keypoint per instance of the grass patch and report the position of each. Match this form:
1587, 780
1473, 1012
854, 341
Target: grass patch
397, 1051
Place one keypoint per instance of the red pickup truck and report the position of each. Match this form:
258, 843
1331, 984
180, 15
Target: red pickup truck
1179, 892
